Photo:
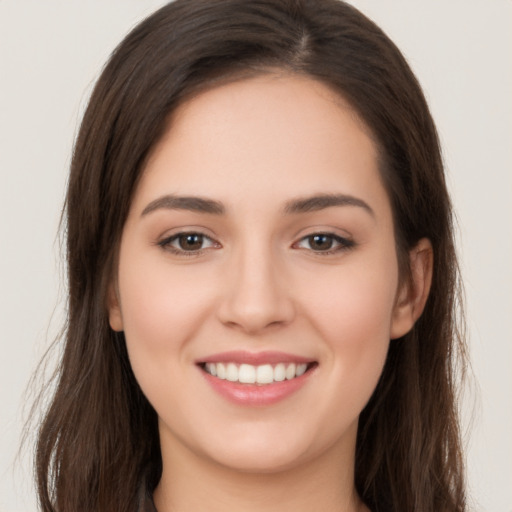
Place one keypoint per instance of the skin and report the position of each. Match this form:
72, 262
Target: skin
259, 284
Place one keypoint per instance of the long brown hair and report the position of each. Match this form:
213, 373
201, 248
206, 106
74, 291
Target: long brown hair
99, 438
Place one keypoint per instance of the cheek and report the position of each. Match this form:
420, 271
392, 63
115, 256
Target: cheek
162, 310
354, 319
354, 303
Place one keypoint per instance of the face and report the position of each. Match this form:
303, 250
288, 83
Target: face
257, 283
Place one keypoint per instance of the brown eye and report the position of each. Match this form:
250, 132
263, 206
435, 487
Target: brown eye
324, 243
187, 243
320, 242
190, 241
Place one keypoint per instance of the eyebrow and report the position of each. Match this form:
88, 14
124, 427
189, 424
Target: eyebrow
191, 203
322, 201
301, 205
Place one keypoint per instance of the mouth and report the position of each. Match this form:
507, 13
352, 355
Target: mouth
256, 379
259, 375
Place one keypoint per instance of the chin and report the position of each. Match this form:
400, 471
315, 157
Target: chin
265, 452
267, 462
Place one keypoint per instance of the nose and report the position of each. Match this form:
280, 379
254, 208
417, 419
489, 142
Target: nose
257, 295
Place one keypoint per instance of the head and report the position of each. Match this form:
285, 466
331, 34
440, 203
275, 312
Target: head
181, 52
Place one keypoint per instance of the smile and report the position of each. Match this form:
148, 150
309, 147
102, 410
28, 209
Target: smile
256, 379
250, 374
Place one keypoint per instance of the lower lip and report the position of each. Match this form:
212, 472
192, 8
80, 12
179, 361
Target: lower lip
253, 394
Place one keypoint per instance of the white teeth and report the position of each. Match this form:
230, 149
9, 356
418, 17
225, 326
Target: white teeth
249, 374
232, 372
301, 369
221, 370
264, 374
211, 368
279, 372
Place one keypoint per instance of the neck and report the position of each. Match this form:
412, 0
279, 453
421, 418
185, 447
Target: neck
191, 483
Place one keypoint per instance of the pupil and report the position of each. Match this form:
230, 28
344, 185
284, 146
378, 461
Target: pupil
191, 242
322, 242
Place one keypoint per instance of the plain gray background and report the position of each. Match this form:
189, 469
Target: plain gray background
461, 50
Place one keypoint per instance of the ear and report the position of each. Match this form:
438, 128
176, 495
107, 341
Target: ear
413, 293
114, 309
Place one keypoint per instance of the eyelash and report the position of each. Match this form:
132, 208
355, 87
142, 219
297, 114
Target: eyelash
342, 244
166, 243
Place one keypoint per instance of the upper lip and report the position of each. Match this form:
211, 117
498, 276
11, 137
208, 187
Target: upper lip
255, 358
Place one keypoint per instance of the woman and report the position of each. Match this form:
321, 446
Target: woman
262, 277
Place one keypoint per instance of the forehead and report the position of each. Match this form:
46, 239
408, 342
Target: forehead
276, 134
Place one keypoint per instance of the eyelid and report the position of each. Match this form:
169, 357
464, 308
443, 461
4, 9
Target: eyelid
166, 242
343, 243
340, 243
